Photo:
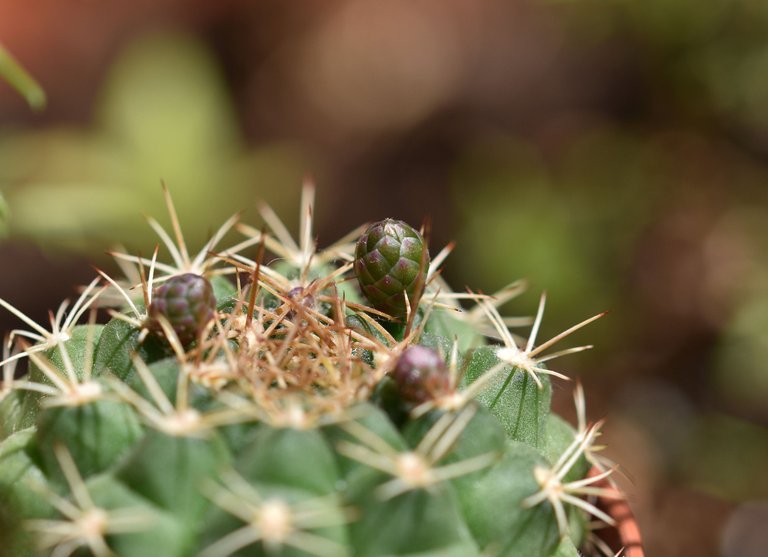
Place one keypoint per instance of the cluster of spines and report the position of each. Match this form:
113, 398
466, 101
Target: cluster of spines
293, 350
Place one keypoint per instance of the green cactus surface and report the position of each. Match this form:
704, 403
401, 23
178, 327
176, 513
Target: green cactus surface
234, 408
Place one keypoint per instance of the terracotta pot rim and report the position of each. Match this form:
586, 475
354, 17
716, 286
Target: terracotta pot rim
626, 526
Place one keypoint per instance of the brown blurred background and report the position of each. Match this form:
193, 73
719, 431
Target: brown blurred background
615, 153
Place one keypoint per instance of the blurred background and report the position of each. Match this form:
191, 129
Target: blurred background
614, 153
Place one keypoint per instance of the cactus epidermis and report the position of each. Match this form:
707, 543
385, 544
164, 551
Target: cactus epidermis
280, 415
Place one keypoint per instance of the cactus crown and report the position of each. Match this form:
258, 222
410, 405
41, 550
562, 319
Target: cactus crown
231, 407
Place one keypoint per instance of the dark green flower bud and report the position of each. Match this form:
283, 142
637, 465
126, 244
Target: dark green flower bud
187, 302
391, 261
421, 375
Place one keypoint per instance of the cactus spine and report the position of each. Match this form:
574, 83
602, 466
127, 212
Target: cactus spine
284, 415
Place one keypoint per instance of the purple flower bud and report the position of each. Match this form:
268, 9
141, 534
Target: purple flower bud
421, 374
187, 302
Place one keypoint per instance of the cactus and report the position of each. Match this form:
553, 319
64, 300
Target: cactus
283, 415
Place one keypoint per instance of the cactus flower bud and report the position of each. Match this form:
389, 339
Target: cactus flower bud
421, 374
302, 297
187, 302
390, 263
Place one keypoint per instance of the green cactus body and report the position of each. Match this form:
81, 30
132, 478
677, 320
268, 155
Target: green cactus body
289, 422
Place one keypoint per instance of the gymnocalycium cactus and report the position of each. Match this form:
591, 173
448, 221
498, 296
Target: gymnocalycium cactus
235, 407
